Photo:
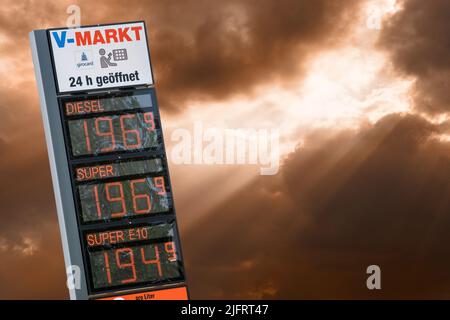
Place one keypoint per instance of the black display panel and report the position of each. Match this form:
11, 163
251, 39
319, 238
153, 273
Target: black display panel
119, 199
122, 191
154, 263
134, 255
106, 134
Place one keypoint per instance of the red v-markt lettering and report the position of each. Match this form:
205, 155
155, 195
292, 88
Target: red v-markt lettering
110, 35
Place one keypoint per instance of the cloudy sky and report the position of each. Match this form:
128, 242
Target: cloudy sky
360, 93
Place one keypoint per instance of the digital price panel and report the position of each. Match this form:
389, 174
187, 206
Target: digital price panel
144, 194
144, 254
109, 125
122, 191
108, 161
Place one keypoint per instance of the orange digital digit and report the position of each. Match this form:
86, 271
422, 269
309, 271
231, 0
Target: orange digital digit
109, 133
159, 183
169, 247
127, 132
107, 267
120, 198
136, 197
97, 202
155, 261
86, 136
150, 119
126, 265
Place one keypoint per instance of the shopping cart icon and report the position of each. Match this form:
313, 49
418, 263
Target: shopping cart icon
120, 54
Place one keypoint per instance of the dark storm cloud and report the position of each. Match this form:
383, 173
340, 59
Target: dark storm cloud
17, 18
33, 267
30, 251
201, 49
26, 195
19, 106
417, 38
225, 56
341, 202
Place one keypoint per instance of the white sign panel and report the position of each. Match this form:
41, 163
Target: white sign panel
101, 57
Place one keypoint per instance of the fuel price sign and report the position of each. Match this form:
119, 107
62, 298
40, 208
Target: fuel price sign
109, 169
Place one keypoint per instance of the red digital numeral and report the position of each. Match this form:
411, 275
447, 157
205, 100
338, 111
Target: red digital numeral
126, 265
155, 261
169, 247
97, 202
120, 198
150, 119
127, 132
159, 183
86, 135
136, 197
108, 269
109, 133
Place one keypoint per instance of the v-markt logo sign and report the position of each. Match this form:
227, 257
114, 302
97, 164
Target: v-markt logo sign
84, 56
99, 36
